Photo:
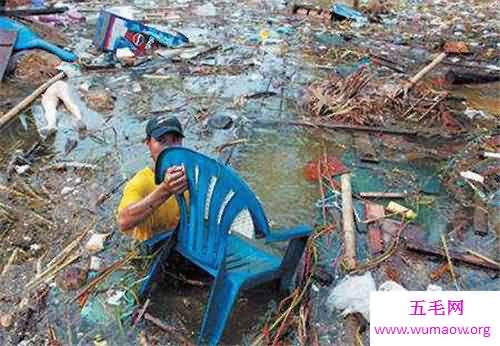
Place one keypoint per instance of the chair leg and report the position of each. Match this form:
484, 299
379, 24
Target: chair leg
290, 262
223, 295
155, 268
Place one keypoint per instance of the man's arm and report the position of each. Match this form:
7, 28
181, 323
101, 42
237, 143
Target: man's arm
175, 182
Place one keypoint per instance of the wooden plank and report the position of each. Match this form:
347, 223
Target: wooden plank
436, 251
374, 211
7, 40
375, 240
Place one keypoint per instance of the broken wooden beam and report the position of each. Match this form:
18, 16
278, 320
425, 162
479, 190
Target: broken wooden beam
436, 251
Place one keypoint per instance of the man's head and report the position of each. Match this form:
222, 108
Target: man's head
162, 132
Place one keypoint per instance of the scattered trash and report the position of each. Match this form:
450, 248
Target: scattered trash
95, 263
126, 56
391, 286
96, 242
67, 190
342, 11
6, 320
472, 176
115, 297
99, 99
394, 207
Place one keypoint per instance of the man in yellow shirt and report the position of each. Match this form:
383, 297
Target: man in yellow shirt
146, 208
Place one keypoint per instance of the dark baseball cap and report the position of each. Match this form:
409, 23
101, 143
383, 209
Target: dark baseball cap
158, 126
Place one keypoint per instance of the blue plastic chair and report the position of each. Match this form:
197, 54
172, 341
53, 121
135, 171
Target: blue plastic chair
216, 196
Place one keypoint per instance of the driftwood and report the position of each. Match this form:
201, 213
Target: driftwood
436, 251
393, 131
10, 115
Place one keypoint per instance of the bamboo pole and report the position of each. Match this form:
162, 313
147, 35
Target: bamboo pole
348, 222
10, 115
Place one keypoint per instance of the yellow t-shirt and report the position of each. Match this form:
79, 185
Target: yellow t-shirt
165, 217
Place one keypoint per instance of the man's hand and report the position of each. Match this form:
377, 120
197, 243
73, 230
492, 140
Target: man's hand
175, 181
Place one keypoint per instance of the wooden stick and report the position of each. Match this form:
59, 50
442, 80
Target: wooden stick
9, 262
141, 312
10, 115
420, 74
221, 147
348, 222
59, 259
438, 101
169, 329
484, 258
383, 194
51, 272
450, 264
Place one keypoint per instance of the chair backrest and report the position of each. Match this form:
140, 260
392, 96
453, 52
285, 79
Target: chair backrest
217, 194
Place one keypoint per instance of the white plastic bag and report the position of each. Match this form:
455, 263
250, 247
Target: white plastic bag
352, 294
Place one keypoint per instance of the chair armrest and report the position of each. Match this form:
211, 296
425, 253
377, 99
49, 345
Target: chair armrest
289, 233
